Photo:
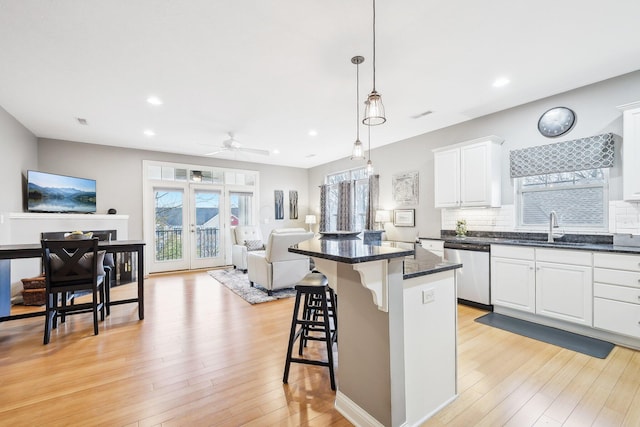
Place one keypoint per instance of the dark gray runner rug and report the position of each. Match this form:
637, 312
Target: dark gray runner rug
238, 282
580, 343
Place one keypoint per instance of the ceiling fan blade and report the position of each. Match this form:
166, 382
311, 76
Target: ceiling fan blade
254, 151
221, 150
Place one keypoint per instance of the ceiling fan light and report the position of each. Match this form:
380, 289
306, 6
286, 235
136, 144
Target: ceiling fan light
374, 110
358, 152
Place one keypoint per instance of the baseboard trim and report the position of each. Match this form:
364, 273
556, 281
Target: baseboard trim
354, 413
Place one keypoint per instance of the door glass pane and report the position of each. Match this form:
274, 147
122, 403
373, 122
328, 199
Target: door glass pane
207, 223
241, 204
169, 214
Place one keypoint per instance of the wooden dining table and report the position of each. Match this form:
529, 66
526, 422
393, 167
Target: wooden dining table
34, 250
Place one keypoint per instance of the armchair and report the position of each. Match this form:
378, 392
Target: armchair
239, 236
276, 267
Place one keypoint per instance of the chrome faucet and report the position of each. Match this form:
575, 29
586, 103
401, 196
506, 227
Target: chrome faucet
553, 223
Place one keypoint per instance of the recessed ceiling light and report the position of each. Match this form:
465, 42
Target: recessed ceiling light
313, 132
82, 121
276, 151
154, 100
501, 81
149, 132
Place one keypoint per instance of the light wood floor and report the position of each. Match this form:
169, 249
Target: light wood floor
203, 356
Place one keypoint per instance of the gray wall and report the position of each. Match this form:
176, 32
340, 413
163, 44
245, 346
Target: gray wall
19, 153
118, 172
595, 107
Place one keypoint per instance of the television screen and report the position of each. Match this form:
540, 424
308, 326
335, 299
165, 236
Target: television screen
48, 192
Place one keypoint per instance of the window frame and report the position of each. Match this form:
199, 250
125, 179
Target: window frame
519, 190
360, 177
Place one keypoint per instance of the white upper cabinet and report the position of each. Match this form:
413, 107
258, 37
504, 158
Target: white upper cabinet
631, 151
468, 174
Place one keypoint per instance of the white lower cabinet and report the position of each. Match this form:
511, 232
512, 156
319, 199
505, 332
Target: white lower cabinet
564, 291
616, 289
433, 245
513, 282
522, 278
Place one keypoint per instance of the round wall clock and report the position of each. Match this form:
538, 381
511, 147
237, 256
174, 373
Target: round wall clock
556, 121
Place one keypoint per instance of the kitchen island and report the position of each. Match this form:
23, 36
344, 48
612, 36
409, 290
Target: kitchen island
397, 328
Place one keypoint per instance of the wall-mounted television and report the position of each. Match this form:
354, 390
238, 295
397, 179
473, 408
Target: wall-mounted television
47, 192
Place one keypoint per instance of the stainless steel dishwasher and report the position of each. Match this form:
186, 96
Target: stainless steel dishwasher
473, 279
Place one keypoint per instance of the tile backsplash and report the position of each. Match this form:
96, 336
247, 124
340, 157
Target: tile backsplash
624, 217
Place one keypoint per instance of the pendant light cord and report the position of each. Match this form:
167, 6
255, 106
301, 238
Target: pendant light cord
357, 101
374, 45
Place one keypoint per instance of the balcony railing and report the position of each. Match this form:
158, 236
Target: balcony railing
169, 243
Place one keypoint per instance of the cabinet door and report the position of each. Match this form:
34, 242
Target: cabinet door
513, 283
565, 292
630, 155
475, 183
446, 169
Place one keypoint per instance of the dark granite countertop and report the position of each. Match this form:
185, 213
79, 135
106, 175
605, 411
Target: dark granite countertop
424, 262
577, 242
351, 250
417, 261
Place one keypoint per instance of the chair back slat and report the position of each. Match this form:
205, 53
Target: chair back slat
70, 261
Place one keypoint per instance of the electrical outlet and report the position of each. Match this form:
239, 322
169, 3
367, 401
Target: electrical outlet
428, 295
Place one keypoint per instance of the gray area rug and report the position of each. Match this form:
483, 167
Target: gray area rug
580, 343
238, 282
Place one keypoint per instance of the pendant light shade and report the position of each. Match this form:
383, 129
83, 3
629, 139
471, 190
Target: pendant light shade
357, 153
369, 163
374, 110
369, 168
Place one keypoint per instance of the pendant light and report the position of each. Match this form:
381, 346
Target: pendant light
374, 110
357, 153
369, 164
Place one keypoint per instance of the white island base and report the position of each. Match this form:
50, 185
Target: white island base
396, 342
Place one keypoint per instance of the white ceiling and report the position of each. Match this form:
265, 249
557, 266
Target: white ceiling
270, 71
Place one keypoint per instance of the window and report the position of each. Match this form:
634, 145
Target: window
360, 197
579, 198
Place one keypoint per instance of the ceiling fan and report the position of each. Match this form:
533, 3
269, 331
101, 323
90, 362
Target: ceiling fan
233, 145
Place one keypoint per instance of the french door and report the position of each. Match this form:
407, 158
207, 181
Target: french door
190, 225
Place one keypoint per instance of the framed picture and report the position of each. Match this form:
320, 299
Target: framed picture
405, 188
404, 217
278, 199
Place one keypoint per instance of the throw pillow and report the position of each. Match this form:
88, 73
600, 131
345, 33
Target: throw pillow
254, 245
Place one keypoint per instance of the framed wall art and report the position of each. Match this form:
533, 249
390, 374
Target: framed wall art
278, 199
404, 217
293, 204
405, 187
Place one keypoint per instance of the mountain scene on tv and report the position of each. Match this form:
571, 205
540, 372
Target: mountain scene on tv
61, 194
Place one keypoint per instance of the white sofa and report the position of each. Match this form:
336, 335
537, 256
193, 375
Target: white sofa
239, 236
276, 267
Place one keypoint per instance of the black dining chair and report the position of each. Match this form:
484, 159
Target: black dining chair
72, 268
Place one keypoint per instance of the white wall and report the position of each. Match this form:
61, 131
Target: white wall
118, 173
595, 107
19, 153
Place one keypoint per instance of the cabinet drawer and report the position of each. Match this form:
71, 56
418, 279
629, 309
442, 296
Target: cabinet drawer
433, 245
618, 261
564, 256
615, 316
616, 277
514, 252
618, 293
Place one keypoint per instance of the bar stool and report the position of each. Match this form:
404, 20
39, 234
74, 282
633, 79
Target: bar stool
313, 322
